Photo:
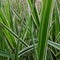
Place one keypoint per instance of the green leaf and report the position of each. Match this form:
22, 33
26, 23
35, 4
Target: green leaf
43, 28
1, 24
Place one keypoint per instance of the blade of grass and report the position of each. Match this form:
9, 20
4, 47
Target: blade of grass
33, 9
43, 28
1, 24
36, 54
54, 44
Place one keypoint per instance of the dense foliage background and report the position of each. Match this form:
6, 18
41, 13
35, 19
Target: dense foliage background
29, 29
